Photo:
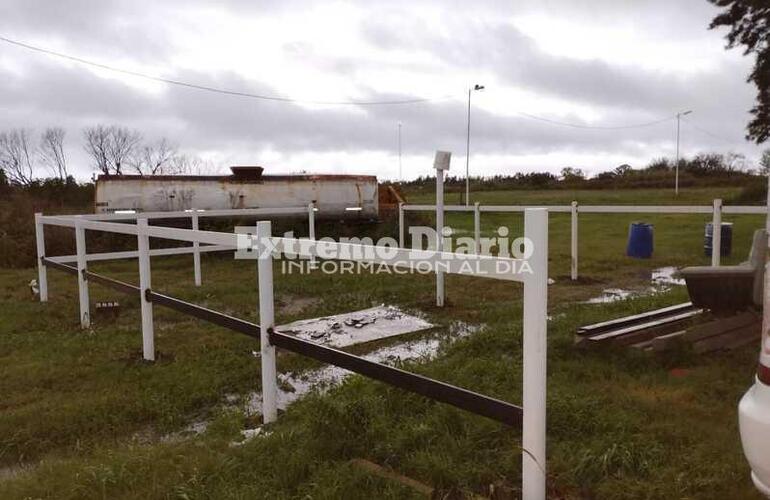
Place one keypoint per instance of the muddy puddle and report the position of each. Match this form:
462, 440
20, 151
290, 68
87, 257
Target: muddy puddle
661, 280
294, 386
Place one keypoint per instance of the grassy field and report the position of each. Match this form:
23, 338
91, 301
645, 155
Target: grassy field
83, 417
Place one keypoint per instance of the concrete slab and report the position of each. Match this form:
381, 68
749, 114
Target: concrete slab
357, 327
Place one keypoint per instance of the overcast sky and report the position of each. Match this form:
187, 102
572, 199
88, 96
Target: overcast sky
588, 62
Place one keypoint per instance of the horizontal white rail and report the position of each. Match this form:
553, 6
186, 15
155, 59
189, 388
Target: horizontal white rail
599, 209
200, 213
133, 254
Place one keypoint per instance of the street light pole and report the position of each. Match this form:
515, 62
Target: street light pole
678, 119
468, 146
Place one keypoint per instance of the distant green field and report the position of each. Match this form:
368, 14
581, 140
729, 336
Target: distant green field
692, 196
83, 417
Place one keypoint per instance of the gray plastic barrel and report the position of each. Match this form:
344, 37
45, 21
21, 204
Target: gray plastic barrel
726, 245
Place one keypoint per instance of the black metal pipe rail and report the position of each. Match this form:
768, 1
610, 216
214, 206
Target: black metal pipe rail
480, 404
118, 285
60, 266
464, 399
203, 313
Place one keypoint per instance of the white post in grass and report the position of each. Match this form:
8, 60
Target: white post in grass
266, 323
574, 242
535, 350
80, 250
477, 227
440, 163
145, 283
311, 226
196, 250
42, 272
401, 228
716, 233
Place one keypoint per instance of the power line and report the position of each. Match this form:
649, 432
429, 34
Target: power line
265, 97
594, 127
710, 134
208, 88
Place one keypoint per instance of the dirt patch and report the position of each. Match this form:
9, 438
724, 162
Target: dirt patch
292, 304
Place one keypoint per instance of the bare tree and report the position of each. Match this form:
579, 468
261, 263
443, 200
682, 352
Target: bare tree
156, 158
97, 140
111, 147
52, 151
122, 147
16, 156
192, 165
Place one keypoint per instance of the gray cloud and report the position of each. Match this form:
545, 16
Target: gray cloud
47, 92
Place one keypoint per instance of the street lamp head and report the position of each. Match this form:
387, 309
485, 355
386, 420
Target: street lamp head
684, 113
478, 87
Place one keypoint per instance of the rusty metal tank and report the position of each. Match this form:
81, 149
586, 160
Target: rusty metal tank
335, 196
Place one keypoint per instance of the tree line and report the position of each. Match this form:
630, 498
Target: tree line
112, 149
703, 169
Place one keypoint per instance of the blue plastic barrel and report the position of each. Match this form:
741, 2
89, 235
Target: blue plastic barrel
726, 244
639, 240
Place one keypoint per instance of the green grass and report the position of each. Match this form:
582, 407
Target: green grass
84, 416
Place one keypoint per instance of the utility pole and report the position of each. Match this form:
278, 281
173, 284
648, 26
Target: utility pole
468, 146
678, 120
400, 177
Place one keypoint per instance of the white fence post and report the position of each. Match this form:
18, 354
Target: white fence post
80, 250
477, 227
266, 323
311, 227
401, 229
145, 283
716, 233
535, 355
196, 250
42, 272
439, 233
574, 242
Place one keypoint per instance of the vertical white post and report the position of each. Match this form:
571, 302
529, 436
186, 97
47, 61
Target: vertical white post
716, 233
401, 229
42, 272
145, 283
764, 353
266, 323
80, 250
196, 250
439, 234
574, 242
477, 227
311, 226
535, 351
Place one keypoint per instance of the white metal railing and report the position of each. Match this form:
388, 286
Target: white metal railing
105, 222
535, 302
716, 210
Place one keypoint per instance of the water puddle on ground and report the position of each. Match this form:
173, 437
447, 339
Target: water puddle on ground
661, 279
294, 386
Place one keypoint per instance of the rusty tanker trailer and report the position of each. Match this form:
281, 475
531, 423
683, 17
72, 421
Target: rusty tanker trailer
335, 196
